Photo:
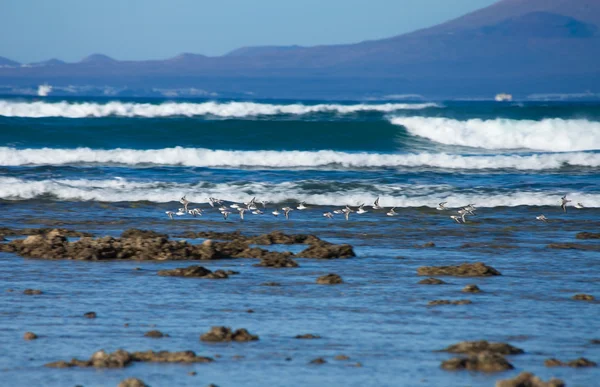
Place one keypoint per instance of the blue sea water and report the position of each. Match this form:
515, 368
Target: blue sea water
102, 166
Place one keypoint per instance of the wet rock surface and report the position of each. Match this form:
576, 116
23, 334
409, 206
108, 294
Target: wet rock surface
277, 261
471, 289
483, 362
478, 269
577, 363
132, 382
527, 379
326, 250
583, 297
449, 302
145, 234
122, 358
5, 231
318, 360
90, 315
581, 235
197, 272
225, 334
272, 238
330, 279
432, 281
474, 347
574, 246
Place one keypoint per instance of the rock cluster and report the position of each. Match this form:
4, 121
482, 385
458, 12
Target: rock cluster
122, 358
148, 245
581, 235
574, 246
197, 272
583, 297
5, 231
577, 363
431, 281
449, 302
132, 382
272, 238
225, 334
471, 289
526, 379
32, 292
308, 336
478, 269
277, 261
155, 334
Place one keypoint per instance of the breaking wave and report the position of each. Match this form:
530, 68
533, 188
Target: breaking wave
324, 194
199, 157
553, 134
226, 109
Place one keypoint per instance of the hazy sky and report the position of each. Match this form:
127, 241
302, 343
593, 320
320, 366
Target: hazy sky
34, 30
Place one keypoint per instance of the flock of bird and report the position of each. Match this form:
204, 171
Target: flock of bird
252, 207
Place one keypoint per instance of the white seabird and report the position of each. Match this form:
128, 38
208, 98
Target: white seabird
542, 218
301, 206
441, 206
328, 215
456, 218
276, 213
579, 206
376, 205
170, 214
392, 212
185, 203
361, 210
225, 214
564, 202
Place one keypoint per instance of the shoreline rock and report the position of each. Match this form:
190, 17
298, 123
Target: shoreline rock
307, 336
583, 297
449, 302
121, 359
32, 292
471, 289
478, 269
474, 347
196, 271
132, 382
330, 279
577, 363
432, 281
155, 334
326, 250
30, 336
581, 235
483, 362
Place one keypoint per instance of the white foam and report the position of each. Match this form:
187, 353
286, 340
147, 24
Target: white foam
554, 134
121, 190
199, 157
40, 109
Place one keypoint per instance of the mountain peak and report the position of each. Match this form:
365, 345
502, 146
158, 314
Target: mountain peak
5, 62
98, 58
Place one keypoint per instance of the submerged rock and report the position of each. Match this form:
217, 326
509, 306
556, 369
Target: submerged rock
89, 315
155, 334
145, 234
577, 363
588, 235
32, 292
431, 281
5, 231
583, 297
132, 382
484, 362
330, 279
449, 302
326, 250
270, 284
272, 238
318, 360
308, 336
121, 359
30, 336
225, 334
574, 246
471, 289
527, 379
478, 269
197, 272
474, 347
341, 357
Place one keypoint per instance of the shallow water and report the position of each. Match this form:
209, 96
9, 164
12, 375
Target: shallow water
378, 317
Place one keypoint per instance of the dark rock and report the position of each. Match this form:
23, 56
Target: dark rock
595, 341
318, 360
121, 358
90, 315
195, 272
357, 364
277, 261
588, 235
449, 302
341, 357
308, 336
192, 373
5, 231
30, 336
32, 292
278, 237
427, 245
583, 297
217, 274
155, 334
526, 379
326, 250
484, 362
223, 334
577, 363
270, 284
471, 289
574, 246
144, 234
250, 311
431, 281
478, 269
330, 279
132, 382
474, 347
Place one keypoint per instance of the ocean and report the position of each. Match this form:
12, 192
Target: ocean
105, 165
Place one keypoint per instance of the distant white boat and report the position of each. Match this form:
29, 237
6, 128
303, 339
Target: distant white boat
44, 90
503, 97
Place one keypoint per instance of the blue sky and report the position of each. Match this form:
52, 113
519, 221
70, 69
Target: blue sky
34, 30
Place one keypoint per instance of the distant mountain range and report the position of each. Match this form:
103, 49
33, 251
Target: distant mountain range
514, 46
